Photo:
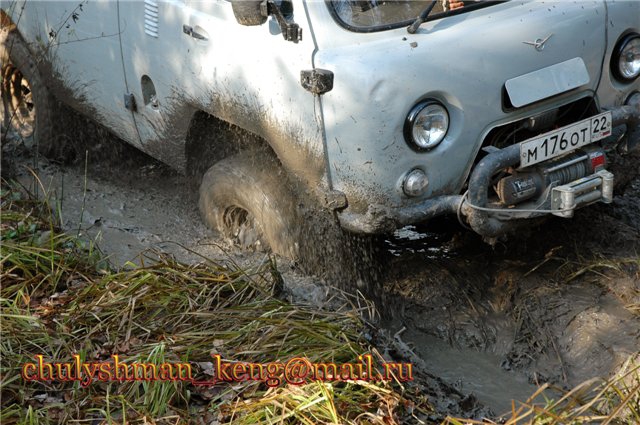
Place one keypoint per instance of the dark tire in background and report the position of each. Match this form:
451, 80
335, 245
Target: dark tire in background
28, 105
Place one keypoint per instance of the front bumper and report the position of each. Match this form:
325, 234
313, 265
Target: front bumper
475, 205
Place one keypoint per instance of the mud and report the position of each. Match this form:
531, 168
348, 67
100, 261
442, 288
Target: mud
554, 305
483, 324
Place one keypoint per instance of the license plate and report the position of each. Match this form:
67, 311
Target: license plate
565, 139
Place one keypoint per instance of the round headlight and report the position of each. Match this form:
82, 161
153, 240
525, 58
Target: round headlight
625, 62
426, 125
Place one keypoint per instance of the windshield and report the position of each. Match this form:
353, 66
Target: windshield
378, 15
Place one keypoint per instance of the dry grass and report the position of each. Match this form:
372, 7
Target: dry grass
599, 267
603, 268
613, 401
59, 298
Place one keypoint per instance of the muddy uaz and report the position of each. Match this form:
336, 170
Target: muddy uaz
379, 114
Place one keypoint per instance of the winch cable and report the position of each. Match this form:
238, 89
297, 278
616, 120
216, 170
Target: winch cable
459, 212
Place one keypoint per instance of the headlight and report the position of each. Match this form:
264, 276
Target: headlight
426, 125
625, 61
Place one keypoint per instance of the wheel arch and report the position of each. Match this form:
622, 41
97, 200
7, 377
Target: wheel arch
211, 138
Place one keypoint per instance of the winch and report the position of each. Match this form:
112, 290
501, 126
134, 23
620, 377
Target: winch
535, 181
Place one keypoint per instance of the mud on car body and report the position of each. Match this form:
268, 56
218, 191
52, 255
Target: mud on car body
388, 113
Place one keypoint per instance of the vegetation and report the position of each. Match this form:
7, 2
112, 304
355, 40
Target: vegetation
60, 298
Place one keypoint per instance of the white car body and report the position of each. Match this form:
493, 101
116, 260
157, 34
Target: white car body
345, 144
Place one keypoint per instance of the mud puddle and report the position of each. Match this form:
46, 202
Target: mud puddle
491, 323
472, 372
555, 305
131, 207
153, 213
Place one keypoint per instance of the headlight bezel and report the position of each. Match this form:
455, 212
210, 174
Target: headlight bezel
411, 119
619, 48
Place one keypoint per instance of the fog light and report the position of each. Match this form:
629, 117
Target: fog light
415, 183
633, 99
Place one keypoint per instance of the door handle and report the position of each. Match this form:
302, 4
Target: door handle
187, 29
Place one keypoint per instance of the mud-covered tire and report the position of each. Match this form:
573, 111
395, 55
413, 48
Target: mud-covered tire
290, 223
247, 12
249, 193
25, 96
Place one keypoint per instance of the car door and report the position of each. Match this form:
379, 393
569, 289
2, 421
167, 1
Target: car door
193, 54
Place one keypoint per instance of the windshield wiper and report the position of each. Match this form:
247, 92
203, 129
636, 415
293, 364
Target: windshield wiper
421, 18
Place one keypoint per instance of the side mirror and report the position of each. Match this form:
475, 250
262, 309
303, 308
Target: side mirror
256, 12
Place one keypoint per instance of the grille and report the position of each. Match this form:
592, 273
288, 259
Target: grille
509, 134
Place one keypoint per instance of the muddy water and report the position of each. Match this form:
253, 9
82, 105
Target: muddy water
488, 321
471, 371
494, 321
141, 209
470, 361
136, 208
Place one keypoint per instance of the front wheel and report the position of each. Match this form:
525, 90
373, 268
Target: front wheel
246, 198
247, 12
